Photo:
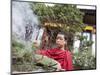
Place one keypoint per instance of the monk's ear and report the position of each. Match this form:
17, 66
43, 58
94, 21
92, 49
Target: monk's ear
66, 42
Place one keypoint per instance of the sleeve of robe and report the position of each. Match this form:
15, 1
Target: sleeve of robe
43, 52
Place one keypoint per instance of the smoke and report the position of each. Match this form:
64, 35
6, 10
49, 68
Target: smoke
24, 21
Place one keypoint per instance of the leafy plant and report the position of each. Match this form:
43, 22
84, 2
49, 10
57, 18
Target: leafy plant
23, 59
84, 58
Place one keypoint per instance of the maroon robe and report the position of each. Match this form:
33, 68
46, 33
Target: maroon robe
62, 56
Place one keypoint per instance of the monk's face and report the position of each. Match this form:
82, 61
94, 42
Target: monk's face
60, 40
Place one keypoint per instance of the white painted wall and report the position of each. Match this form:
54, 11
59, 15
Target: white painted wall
94, 44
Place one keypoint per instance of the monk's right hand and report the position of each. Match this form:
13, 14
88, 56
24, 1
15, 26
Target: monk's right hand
36, 44
58, 67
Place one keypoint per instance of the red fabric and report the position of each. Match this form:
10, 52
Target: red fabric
63, 57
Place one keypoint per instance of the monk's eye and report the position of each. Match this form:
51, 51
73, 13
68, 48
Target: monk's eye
59, 38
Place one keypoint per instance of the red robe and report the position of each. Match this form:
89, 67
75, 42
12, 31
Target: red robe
63, 57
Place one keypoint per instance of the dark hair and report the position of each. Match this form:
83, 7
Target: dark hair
65, 35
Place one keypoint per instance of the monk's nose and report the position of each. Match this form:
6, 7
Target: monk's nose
58, 40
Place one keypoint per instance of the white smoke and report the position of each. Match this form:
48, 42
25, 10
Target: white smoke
22, 16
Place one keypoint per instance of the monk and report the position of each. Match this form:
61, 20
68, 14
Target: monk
61, 54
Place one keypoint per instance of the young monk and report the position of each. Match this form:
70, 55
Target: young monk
61, 54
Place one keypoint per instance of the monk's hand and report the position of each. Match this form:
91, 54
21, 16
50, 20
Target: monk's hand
58, 67
35, 44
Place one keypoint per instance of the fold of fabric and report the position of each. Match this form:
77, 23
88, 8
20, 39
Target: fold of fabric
64, 57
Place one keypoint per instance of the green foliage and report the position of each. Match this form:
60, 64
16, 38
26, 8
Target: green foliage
17, 44
84, 58
67, 15
26, 60
48, 63
84, 41
21, 57
26, 67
